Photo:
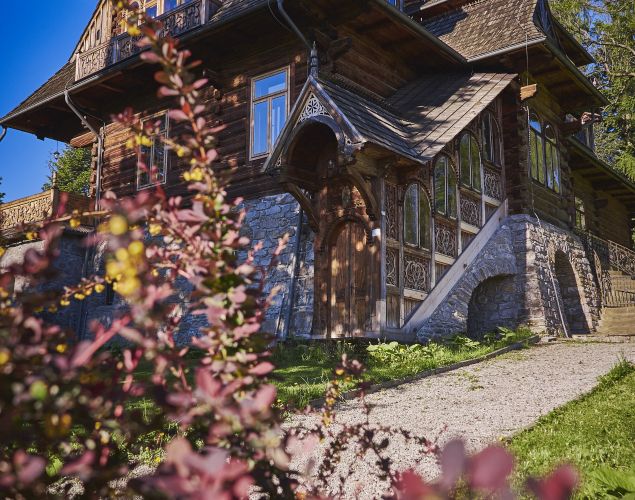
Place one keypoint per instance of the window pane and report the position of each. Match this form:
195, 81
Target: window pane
476, 165
464, 159
540, 158
424, 220
260, 140
270, 85
278, 117
410, 215
549, 159
152, 11
556, 170
439, 185
169, 5
533, 157
487, 137
534, 123
451, 193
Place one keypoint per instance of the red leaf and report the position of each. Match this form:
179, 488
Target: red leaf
490, 469
262, 369
558, 486
453, 462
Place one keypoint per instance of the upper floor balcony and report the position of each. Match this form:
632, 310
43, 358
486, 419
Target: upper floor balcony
187, 16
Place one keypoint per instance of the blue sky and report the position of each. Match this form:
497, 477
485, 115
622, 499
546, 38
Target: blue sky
38, 38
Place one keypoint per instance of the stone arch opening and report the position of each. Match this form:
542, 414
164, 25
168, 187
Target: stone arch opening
493, 304
571, 295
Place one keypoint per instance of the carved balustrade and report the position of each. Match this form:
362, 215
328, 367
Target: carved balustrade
36, 208
176, 22
605, 256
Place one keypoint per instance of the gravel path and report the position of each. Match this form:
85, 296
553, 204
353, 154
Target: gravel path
481, 403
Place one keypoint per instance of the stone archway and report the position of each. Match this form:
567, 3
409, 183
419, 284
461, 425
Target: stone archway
571, 295
493, 304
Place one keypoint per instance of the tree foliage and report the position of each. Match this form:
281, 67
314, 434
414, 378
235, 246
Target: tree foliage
70, 171
606, 28
2, 195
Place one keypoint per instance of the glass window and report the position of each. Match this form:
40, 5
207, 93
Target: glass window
444, 188
552, 159
270, 105
155, 156
490, 138
580, 214
470, 162
535, 147
416, 217
544, 156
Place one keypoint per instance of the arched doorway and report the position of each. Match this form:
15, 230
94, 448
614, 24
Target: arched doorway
570, 295
349, 290
493, 304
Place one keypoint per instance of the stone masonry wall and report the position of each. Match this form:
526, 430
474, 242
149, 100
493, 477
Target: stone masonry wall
511, 281
267, 220
69, 267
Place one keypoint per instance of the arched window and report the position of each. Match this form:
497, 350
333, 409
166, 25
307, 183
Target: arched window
552, 159
490, 138
416, 217
537, 166
543, 154
444, 188
470, 162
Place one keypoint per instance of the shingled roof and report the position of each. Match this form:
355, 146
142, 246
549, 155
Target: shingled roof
481, 27
416, 122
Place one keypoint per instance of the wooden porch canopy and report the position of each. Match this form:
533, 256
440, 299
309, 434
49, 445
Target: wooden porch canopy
601, 175
413, 125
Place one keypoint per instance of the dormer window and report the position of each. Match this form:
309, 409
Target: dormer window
269, 109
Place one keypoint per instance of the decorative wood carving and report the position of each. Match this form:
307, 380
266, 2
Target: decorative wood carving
392, 226
392, 267
445, 239
470, 210
312, 108
416, 273
493, 185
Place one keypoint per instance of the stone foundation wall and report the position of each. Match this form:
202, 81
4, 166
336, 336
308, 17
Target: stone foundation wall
69, 267
267, 220
514, 282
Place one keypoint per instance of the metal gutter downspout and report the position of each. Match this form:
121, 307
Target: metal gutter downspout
313, 57
294, 275
100, 144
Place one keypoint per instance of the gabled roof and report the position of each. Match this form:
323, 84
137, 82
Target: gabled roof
485, 26
416, 123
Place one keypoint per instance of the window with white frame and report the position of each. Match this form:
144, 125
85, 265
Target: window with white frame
470, 162
490, 139
154, 157
445, 199
544, 155
154, 8
269, 110
416, 217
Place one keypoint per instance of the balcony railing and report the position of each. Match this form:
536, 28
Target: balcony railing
586, 136
176, 22
37, 208
606, 256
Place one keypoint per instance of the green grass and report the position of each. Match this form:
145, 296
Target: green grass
595, 433
305, 369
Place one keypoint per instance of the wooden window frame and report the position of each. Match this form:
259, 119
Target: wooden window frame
166, 154
580, 214
269, 99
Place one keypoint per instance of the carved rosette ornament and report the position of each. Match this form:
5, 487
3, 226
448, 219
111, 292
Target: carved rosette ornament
470, 211
312, 108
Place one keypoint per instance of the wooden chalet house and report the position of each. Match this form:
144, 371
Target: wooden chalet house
432, 160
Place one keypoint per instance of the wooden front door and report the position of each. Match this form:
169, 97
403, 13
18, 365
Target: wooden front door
350, 282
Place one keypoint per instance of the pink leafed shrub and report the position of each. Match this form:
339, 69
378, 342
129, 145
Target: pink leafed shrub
66, 402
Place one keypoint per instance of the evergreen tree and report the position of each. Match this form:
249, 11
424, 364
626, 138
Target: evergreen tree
606, 28
71, 170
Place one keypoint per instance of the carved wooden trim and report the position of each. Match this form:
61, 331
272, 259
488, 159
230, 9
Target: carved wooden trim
372, 206
305, 204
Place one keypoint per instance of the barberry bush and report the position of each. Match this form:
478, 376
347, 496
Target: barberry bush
64, 403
